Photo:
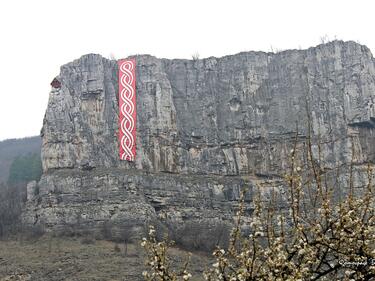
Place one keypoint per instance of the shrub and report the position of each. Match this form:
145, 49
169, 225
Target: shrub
117, 248
106, 231
200, 235
32, 232
312, 236
88, 240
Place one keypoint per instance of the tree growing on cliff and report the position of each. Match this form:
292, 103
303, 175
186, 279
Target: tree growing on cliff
316, 236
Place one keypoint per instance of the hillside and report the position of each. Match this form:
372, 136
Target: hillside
11, 148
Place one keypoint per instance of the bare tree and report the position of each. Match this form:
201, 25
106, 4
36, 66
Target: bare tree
126, 234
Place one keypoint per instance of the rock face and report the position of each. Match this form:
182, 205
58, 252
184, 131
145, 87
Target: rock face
205, 128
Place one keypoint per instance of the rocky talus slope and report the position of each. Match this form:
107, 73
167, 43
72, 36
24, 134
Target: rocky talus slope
205, 128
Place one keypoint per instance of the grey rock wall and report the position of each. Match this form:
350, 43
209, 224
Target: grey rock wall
204, 129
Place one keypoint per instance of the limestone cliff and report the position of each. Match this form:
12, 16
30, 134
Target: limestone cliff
205, 127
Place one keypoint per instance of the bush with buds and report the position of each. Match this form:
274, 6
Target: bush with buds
159, 262
314, 236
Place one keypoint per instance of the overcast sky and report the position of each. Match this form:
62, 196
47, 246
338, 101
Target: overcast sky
39, 36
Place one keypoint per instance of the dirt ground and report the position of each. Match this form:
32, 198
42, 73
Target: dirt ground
53, 258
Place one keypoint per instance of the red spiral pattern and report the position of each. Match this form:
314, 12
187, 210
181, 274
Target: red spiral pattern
127, 109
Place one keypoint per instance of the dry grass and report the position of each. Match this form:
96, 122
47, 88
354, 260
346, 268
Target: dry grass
52, 258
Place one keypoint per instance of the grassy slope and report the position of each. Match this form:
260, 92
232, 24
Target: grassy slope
68, 259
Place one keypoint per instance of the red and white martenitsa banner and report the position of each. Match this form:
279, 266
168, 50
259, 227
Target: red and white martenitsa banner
127, 109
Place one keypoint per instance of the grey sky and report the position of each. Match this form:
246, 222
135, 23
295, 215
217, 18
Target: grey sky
39, 36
